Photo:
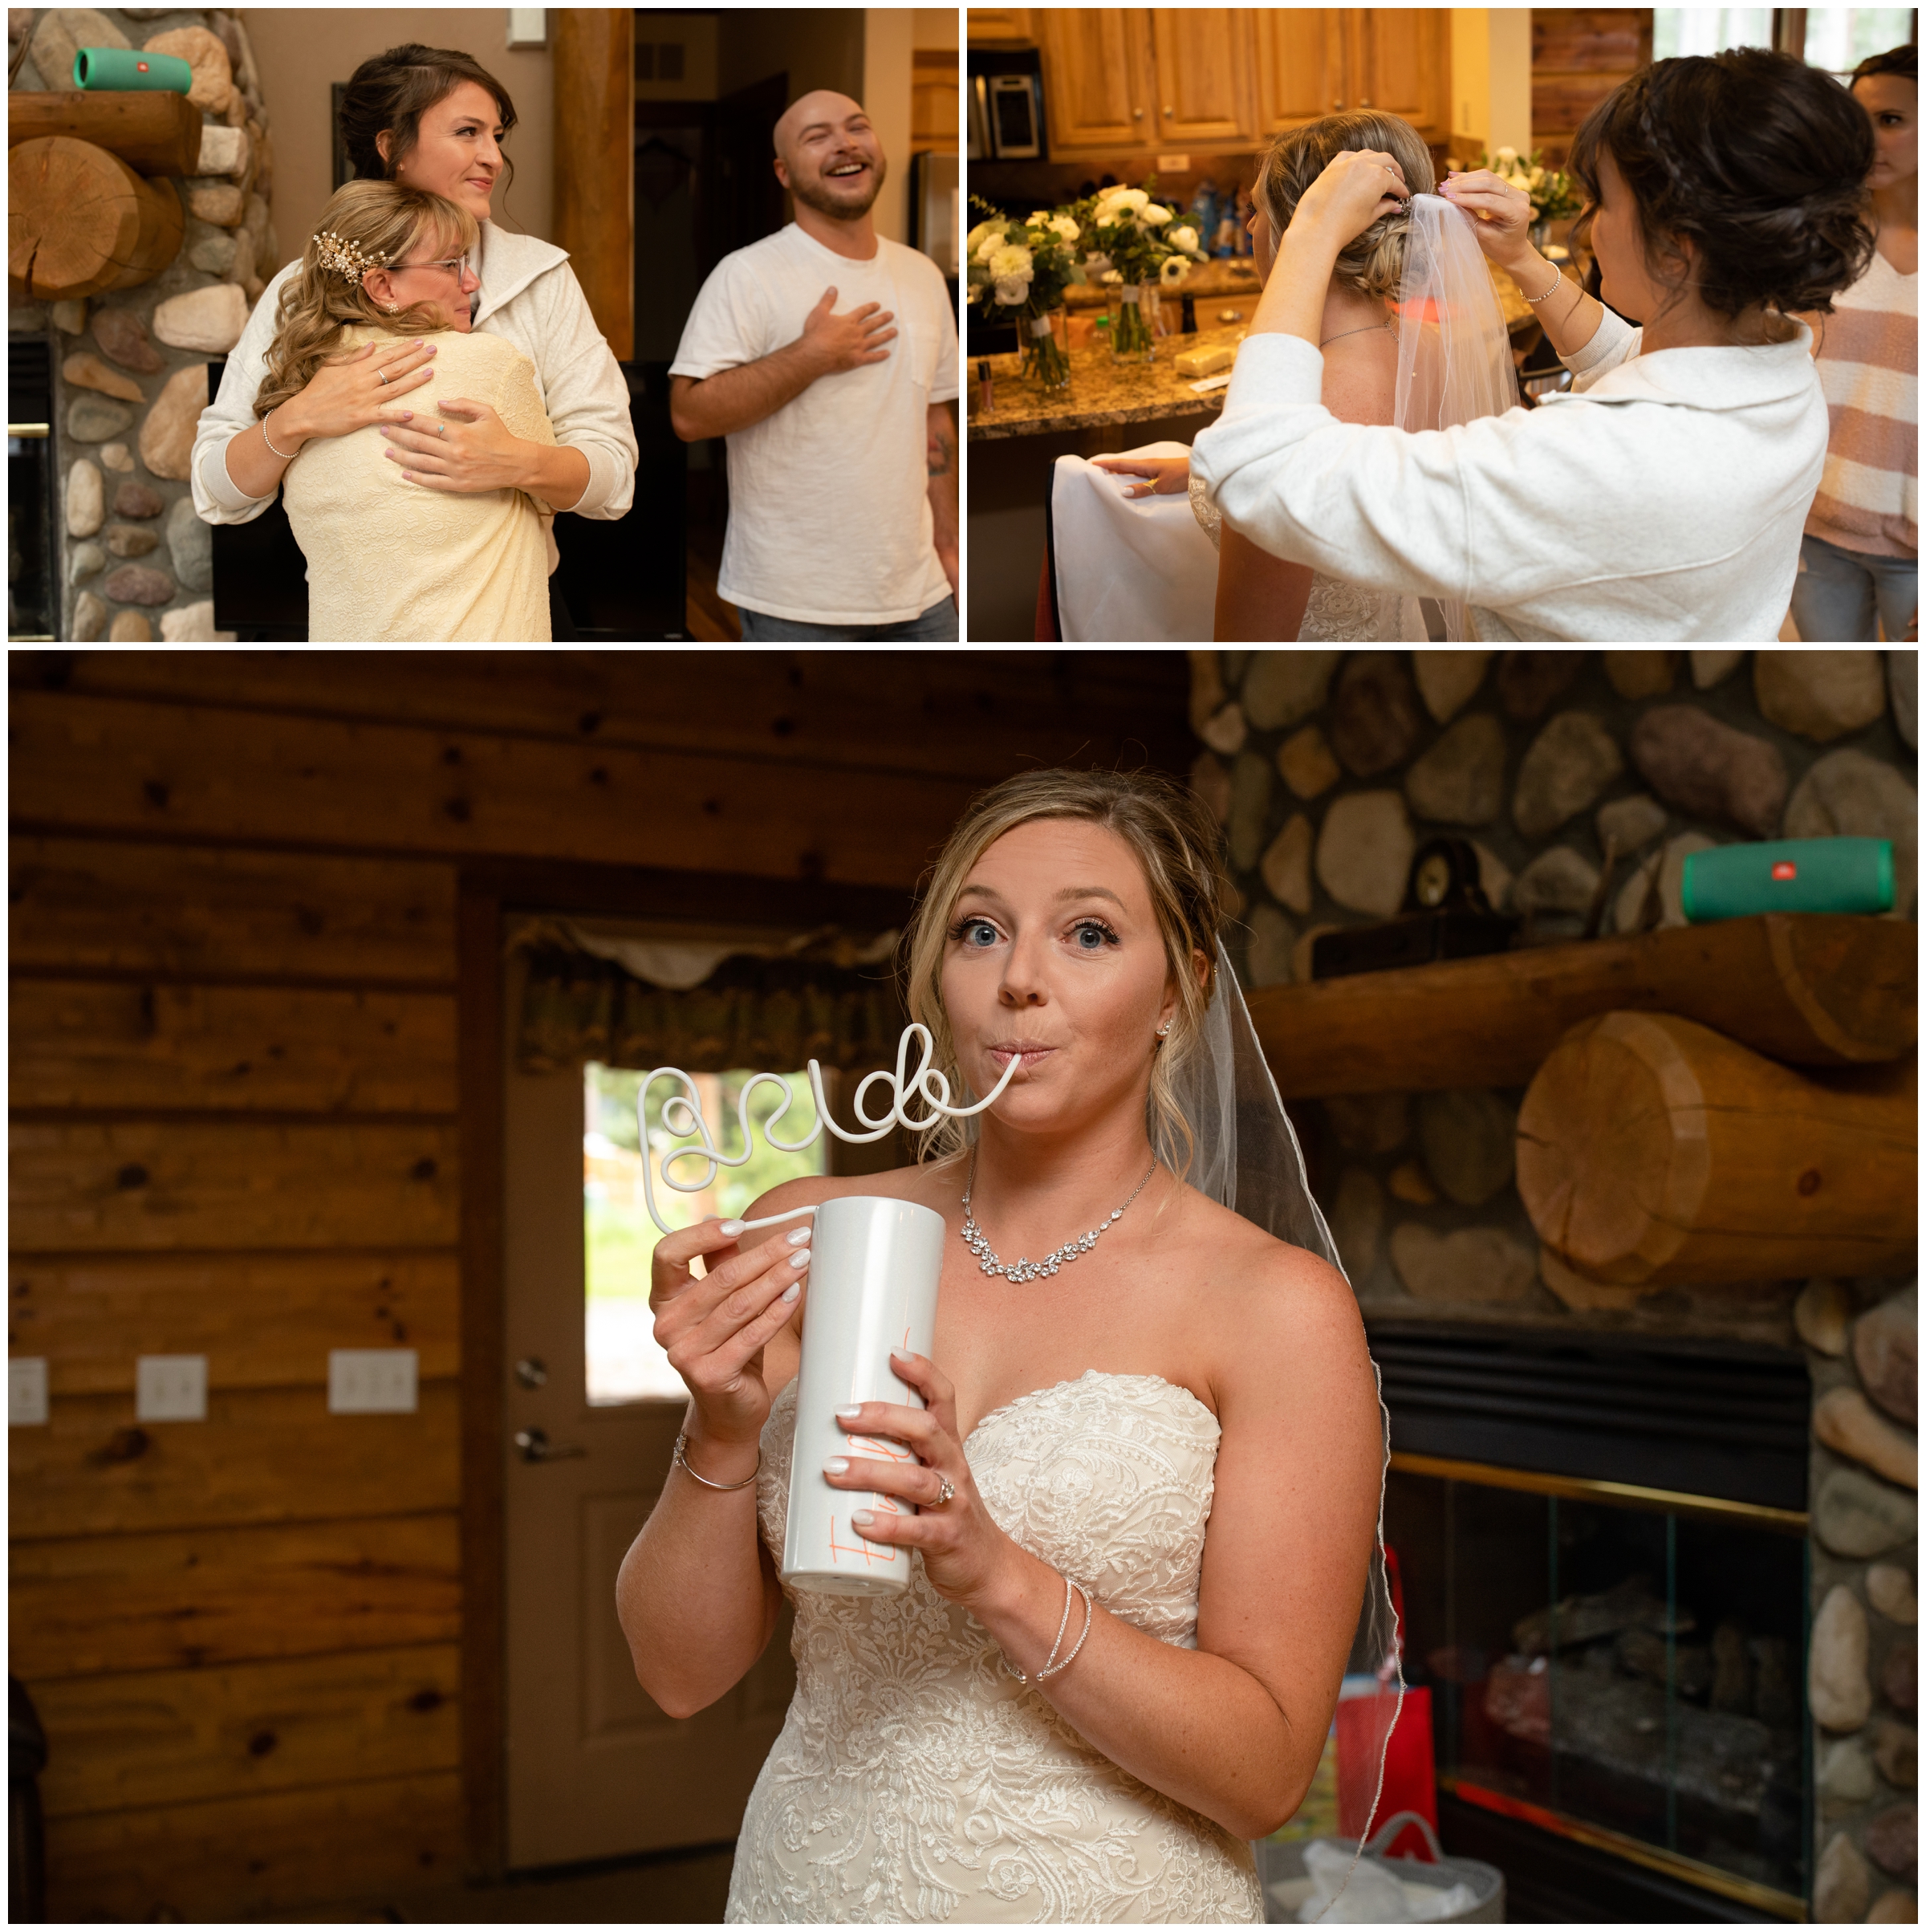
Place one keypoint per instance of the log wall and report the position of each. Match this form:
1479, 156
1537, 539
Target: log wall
239, 1106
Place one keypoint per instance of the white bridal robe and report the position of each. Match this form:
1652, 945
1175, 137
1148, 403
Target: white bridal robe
1661, 499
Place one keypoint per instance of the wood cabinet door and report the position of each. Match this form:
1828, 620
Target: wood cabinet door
1300, 67
998, 26
1093, 77
1401, 64
1203, 59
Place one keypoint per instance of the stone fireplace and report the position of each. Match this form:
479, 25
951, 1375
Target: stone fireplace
1583, 780
132, 561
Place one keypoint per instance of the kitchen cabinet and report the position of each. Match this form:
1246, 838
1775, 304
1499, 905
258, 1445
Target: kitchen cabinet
1201, 66
1135, 81
1096, 64
993, 27
1312, 61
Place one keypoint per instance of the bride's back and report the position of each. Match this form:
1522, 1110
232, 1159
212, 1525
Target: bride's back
391, 561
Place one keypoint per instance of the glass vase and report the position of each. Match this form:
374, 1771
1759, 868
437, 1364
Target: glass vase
1133, 323
1047, 350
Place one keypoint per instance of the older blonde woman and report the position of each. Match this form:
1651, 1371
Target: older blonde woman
389, 560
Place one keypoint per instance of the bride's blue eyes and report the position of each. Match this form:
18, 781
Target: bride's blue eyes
1091, 934
1087, 935
976, 931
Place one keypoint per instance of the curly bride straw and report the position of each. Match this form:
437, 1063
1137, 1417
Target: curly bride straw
682, 1115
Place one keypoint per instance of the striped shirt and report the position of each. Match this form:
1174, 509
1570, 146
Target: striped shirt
1869, 369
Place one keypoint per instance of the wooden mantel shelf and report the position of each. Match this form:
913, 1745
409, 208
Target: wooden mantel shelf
1812, 989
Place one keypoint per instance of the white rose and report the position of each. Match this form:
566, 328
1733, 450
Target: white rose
1065, 226
975, 238
1013, 291
991, 243
1010, 261
1184, 237
1122, 200
1154, 216
1506, 157
1040, 219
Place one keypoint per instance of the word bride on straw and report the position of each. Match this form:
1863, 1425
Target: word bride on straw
682, 1115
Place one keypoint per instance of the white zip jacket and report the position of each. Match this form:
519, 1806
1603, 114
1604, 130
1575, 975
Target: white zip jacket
529, 296
1662, 498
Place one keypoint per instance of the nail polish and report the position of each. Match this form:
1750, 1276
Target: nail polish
836, 1465
731, 1227
848, 1415
862, 1519
797, 1235
791, 1292
800, 1259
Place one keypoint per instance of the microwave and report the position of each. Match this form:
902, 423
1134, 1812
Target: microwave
1006, 100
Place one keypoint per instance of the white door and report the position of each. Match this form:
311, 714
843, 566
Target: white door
594, 1768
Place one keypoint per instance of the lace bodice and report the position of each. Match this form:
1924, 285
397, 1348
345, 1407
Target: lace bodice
1336, 612
915, 1780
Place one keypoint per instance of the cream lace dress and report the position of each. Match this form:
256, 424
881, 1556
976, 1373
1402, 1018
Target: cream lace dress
1336, 612
390, 562
915, 1780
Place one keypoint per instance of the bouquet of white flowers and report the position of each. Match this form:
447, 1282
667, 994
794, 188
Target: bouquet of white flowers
1141, 242
1025, 266
1555, 195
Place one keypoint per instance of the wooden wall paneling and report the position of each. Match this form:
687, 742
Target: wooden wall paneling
163, 1737
263, 1321
595, 150
373, 1839
80, 904
81, 1605
262, 1456
484, 1722
1579, 55
88, 1187
114, 766
136, 1046
975, 715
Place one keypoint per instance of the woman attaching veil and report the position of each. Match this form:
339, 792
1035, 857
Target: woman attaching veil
1149, 1471
1412, 335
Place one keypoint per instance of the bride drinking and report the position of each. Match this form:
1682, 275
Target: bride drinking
392, 560
1146, 1478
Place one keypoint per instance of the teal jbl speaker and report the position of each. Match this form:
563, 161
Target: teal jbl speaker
128, 70
1789, 876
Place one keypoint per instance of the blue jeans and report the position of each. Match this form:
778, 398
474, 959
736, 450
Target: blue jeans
1836, 590
936, 625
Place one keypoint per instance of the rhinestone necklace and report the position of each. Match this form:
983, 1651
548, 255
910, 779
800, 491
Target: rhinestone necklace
1025, 1270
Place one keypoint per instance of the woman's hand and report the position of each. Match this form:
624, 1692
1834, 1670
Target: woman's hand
713, 1327
1500, 217
963, 1551
1170, 475
1357, 187
354, 390
471, 450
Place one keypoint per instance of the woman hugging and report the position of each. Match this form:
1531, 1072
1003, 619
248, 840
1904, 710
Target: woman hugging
391, 558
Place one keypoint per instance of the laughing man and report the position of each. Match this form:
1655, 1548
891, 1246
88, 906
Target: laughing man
827, 356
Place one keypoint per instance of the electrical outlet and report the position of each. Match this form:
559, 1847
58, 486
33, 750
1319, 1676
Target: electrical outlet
170, 1388
371, 1381
26, 1389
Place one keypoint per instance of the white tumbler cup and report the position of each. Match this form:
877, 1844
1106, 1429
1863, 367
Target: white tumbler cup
874, 1266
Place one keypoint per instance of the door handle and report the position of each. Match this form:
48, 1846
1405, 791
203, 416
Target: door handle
535, 1447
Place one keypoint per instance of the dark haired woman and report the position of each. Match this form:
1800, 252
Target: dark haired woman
1664, 497
434, 119
1859, 564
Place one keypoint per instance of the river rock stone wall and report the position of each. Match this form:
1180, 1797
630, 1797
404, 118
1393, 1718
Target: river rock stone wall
1327, 770
130, 366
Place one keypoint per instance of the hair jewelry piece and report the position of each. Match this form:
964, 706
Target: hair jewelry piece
341, 257
682, 1115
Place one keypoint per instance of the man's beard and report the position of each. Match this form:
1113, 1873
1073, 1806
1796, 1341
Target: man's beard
814, 196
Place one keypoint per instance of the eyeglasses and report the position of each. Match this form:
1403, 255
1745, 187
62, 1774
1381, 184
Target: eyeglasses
456, 264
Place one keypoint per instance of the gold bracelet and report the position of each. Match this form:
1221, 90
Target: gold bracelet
681, 1463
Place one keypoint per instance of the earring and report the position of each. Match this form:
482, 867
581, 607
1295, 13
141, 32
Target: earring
1163, 1031
393, 308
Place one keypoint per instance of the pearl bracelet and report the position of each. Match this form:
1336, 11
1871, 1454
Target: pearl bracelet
1534, 300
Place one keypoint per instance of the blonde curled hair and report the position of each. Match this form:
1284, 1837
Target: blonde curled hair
387, 223
1372, 264
1174, 839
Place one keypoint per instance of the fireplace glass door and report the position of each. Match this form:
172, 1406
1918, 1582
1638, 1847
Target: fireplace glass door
1618, 1673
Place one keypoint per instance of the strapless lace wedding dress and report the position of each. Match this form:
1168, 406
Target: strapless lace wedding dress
915, 1780
1336, 612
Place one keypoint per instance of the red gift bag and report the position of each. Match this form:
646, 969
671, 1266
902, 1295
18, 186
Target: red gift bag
1397, 1732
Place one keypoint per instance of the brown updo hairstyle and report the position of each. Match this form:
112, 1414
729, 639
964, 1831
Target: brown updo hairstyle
389, 94
1756, 159
1175, 841
1372, 263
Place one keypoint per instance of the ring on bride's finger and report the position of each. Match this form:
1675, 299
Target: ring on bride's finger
441, 428
383, 374
943, 1495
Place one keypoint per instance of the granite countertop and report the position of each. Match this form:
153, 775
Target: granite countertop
1233, 276
1102, 392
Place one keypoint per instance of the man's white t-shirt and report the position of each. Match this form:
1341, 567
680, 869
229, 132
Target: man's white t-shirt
829, 516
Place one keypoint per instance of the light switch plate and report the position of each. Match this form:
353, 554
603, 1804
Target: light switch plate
170, 1388
528, 26
372, 1381
26, 1389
